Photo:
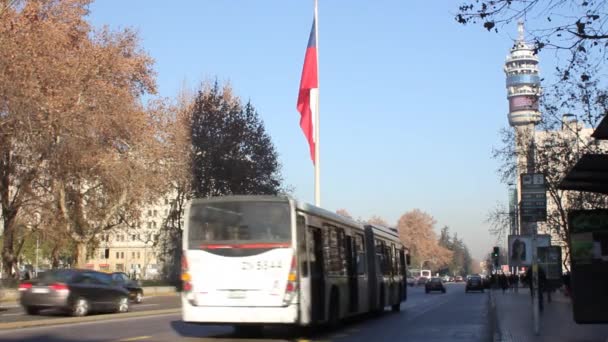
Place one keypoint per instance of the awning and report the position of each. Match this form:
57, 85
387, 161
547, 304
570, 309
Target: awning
589, 174
601, 131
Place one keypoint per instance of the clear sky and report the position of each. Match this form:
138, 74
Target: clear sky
411, 101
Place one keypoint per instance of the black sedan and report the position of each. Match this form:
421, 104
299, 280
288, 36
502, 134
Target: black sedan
474, 283
76, 292
136, 292
435, 284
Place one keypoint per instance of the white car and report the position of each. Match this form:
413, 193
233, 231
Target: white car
445, 279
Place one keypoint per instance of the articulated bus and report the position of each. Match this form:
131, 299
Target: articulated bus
251, 261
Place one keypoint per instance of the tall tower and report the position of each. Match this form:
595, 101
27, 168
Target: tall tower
523, 91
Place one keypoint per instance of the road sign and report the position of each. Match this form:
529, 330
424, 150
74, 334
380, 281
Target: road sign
520, 248
533, 197
550, 259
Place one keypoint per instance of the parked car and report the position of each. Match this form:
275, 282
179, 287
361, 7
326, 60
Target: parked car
136, 292
435, 284
422, 280
411, 281
76, 292
474, 283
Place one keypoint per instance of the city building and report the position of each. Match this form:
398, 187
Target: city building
133, 250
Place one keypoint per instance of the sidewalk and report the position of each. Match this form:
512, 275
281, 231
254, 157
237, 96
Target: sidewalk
514, 320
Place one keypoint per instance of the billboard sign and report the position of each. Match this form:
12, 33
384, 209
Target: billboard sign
550, 260
589, 257
520, 248
533, 197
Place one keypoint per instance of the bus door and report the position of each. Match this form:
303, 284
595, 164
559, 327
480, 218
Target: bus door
317, 276
402, 271
351, 273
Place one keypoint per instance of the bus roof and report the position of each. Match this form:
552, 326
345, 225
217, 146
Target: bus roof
242, 198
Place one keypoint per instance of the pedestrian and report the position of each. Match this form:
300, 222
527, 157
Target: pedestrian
516, 282
504, 282
542, 286
529, 281
566, 280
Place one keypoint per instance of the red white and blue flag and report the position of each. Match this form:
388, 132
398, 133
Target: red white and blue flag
308, 97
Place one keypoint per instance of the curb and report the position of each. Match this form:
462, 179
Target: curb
75, 320
494, 326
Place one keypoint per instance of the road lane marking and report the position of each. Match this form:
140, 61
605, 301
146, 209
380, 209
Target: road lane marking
59, 323
13, 314
137, 338
142, 305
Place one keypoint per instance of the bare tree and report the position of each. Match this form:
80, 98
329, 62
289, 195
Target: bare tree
577, 27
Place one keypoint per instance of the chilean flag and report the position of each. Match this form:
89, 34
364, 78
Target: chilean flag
308, 98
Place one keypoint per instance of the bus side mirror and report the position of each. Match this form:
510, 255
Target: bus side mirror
408, 259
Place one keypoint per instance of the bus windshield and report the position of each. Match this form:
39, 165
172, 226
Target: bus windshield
239, 224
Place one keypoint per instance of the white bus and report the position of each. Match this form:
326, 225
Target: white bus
426, 273
251, 261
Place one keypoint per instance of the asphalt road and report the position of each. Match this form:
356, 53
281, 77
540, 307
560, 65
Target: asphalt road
14, 313
454, 316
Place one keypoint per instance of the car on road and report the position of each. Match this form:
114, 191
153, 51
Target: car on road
446, 279
422, 280
136, 292
474, 283
458, 279
73, 291
435, 284
411, 281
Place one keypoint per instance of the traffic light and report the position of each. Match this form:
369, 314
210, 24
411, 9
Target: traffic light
495, 254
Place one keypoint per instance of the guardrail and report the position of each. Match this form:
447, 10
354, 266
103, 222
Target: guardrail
11, 295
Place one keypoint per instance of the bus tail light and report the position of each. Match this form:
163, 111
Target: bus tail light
292, 282
186, 278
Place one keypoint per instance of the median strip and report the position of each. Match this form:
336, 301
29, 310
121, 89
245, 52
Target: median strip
92, 318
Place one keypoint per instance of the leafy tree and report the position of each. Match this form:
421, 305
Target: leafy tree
378, 220
416, 230
75, 142
232, 153
460, 261
344, 213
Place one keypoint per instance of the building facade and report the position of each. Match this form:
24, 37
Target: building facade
133, 250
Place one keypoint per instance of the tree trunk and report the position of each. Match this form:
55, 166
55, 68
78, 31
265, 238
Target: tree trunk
55, 256
80, 258
8, 254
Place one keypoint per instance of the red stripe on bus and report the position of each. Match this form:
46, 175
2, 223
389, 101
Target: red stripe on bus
248, 245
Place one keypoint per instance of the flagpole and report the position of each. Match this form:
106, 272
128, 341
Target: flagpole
316, 132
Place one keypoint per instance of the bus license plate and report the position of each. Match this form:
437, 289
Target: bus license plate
237, 294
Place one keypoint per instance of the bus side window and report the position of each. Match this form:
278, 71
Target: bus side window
395, 260
302, 251
341, 251
360, 250
402, 262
